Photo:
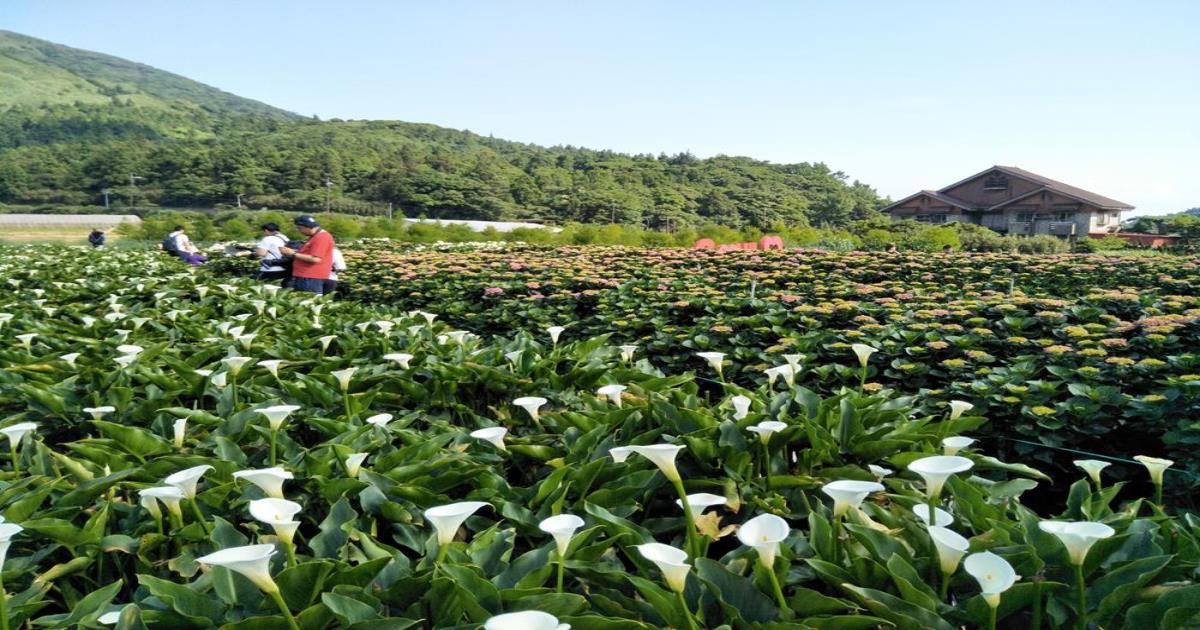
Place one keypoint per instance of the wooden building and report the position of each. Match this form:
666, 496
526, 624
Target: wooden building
1010, 200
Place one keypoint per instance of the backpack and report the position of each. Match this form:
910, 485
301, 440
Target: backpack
286, 261
169, 245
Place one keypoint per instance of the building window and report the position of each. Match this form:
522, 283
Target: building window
1024, 217
931, 218
1102, 219
995, 181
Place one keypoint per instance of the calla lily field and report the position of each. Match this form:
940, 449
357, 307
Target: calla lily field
614, 439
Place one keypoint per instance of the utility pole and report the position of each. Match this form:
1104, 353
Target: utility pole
389, 211
239, 199
612, 212
105, 191
133, 188
328, 192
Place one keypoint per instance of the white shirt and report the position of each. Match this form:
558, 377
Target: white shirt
271, 244
339, 264
182, 242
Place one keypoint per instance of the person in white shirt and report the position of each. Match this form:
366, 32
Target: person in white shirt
268, 251
339, 264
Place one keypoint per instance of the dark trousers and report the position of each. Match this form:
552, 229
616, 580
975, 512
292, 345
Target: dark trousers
310, 285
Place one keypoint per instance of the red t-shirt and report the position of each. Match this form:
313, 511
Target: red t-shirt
321, 246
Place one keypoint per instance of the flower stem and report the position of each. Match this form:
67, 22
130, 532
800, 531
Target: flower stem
784, 611
693, 549
200, 516
346, 403
1082, 622
686, 613
766, 464
992, 617
561, 562
233, 390
290, 548
1157, 493
1035, 620
932, 510
12, 448
287, 614
3, 606
272, 447
944, 590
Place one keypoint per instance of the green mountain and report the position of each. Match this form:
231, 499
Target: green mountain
74, 123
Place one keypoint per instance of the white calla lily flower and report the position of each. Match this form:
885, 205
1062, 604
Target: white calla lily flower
170, 496
879, 471
1155, 467
525, 620
492, 435
764, 533
1078, 537
848, 494
446, 519
401, 358
343, 377
269, 480
863, 352
555, 332
187, 479
671, 561
130, 349
531, 404
714, 360
952, 445
252, 561
994, 574
179, 431
1092, 467
958, 408
766, 429
741, 406
944, 518
380, 420
354, 463
937, 469
701, 501
7, 531
662, 455
562, 528
70, 358
613, 392
17, 432
325, 341
279, 514
277, 414
627, 353
950, 546
272, 366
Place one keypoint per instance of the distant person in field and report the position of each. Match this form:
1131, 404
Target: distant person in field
313, 262
96, 238
891, 248
179, 245
339, 264
946, 249
271, 266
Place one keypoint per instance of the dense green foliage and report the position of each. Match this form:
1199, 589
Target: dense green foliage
163, 388
197, 146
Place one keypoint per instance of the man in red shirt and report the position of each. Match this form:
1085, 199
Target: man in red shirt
312, 262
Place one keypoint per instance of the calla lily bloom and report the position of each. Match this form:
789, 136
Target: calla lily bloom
1156, 467
951, 547
671, 561
179, 429
848, 494
492, 435
220, 379
380, 420
555, 331
879, 471
863, 352
354, 462
17, 432
385, 326
562, 528
937, 469
714, 360
96, 413
170, 496
952, 445
944, 518
109, 618
741, 406
400, 358
187, 479
958, 408
701, 501
279, 514
1092, 467
446, 519
252, 561
325, 342
70, 358
429, 317
525, 620
663, 456
994, 574
130, 349
272, 366
1078, 537
343, 377
530, 404
277, 414
764, 532
27, 340
7, 531
125, 360
235, 364
270, 480
613, 392
627, 353
766, 429
793, 360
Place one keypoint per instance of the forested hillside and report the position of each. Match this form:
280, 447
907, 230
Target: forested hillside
74, 124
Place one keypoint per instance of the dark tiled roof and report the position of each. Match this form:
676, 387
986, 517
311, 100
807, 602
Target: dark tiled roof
933, 194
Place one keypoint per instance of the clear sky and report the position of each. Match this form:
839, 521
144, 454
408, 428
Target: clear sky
901, 95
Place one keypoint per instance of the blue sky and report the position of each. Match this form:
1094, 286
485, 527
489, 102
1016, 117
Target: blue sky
901, 95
